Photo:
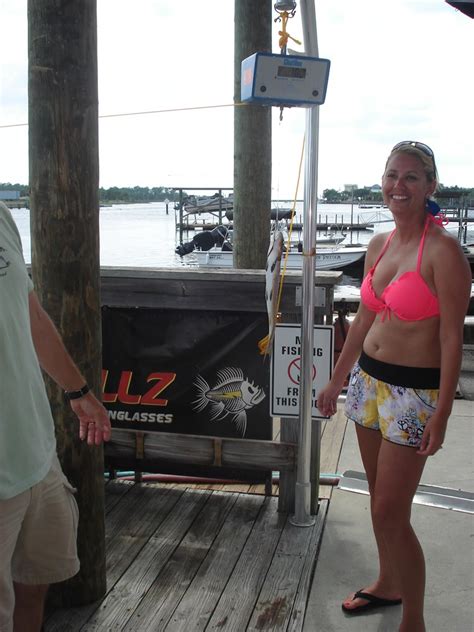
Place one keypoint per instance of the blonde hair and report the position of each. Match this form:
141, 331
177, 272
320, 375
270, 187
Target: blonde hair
428, 162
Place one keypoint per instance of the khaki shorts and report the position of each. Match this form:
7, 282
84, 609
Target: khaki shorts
38, 531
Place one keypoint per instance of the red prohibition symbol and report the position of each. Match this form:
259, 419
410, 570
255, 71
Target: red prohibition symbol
294, 370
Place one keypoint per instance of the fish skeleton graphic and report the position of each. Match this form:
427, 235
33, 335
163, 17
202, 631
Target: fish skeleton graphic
231, 395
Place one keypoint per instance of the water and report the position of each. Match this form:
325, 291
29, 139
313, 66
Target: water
143, 235
131, 235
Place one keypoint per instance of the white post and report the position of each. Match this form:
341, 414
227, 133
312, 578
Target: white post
302, 516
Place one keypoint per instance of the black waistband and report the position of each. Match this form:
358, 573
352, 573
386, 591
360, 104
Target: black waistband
398, 375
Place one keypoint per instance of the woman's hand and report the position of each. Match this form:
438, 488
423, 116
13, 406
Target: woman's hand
327, 399
433, 437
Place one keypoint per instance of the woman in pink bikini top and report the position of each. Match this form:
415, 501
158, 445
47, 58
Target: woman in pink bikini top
408, 296
404, 348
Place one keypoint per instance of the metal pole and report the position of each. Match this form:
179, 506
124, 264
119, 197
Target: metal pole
352, 211
302, 516
181, 228
220, 206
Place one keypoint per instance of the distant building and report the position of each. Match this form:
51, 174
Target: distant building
350, 187
376, 188
9, 195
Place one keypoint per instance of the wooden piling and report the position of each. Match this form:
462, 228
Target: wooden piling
64, 182
252, 143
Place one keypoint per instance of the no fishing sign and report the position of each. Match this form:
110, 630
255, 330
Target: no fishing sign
286, 368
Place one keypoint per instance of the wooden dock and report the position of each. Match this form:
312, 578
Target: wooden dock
297, 226
204, 557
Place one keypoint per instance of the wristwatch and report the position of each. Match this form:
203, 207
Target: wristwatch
77, 394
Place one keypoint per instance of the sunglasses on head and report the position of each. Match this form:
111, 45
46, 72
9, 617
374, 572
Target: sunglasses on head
421, 146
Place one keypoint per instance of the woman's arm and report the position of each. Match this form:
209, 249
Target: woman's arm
452, 278
353, 345
327, 397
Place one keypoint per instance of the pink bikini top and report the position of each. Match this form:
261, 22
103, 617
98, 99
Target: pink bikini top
408, 296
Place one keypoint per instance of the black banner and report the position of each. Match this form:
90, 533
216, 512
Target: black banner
189, 372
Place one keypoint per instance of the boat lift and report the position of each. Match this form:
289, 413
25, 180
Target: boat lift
301, 83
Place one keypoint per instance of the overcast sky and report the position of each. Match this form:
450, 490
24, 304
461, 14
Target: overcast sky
399, 70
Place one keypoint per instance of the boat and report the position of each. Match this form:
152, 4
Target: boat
330, 238
276, 214
216, 203
330, 258
219, 240
468, 250
465, 6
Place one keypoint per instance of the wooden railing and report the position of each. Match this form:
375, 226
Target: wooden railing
230, 290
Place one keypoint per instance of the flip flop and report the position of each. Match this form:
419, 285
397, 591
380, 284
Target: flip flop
373, 602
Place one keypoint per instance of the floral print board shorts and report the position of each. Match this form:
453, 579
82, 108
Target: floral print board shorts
400, 413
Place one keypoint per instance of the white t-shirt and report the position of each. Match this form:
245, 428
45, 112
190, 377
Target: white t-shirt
27, 439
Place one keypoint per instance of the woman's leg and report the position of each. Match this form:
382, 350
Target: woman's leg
399, 470
386, 585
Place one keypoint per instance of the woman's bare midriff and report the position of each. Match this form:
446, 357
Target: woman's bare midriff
404, 342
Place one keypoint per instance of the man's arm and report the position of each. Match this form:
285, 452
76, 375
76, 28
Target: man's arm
94, 423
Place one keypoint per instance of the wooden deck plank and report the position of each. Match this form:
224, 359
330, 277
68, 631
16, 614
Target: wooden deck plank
114, 493
331, 445
117, 607
161, 600
131, 496
204, 486
139, 528
331, 433
199, 601
331, 442
325, 492
260, 489
187, 592
121, 514
182, 449
239, 488
276, 428
238, 599
128, 527
299, 606
276, 599
324, 425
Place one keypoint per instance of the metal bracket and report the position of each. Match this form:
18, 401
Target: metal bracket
319, 296
443, 497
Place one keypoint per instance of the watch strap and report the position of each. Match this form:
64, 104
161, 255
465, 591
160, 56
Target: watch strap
77, 394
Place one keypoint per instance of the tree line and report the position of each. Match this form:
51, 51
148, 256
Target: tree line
160, 194
368, 194
138, 194
113, 194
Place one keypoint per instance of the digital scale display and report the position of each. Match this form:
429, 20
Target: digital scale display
284, 80
291, 72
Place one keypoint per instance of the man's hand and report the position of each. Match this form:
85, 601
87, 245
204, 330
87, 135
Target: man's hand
94, 422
